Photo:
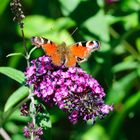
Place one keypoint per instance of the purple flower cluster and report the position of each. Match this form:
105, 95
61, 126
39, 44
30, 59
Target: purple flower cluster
28, 130
32, 129
72, 89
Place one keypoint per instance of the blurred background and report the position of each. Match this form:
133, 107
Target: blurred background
116, 24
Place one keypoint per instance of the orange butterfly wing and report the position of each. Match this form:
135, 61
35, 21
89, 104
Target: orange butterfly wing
80, 52
50, 49
74, 52
70, 60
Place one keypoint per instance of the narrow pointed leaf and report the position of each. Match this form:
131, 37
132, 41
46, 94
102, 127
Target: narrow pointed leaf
14, 54
13, 74
16, 97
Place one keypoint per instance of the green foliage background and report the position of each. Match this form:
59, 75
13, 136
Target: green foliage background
116, 65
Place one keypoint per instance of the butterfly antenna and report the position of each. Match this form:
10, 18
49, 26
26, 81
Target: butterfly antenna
72, 33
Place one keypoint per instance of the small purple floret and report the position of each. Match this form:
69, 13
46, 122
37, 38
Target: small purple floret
31, 129
26, 132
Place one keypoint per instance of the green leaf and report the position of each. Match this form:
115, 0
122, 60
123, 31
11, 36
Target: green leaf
138, 44
124, 66
64, 23
120, 88
138, 71
3, 5
13, 74
112, 19
98, 25
95, 133
16, 97
50, 30
34, 24
119, 49
131, 21
60, 36
68, 6
11, 127
43, 120
18, 137
131, 5
15, 116
118, 119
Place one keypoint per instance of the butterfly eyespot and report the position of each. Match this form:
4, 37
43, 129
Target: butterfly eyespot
91, 43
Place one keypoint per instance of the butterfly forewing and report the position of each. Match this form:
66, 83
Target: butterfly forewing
82, 50
49, 47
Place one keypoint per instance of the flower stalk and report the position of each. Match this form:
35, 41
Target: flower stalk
18, 17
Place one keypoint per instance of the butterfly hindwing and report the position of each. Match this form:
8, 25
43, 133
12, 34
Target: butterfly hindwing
70, 60
57, 59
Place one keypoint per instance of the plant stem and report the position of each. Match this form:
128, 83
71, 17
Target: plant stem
24, 44
33, 111
4, 134
33, 107
33, 116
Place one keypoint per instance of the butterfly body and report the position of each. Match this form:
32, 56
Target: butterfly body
67, 55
